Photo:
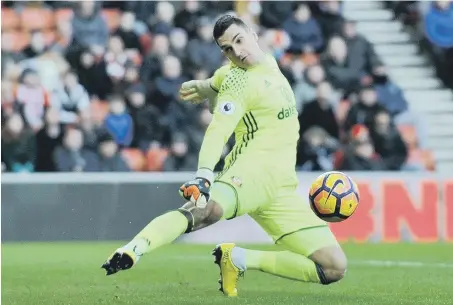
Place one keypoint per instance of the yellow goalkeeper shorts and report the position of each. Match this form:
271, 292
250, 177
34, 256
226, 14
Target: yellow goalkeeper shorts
276, 207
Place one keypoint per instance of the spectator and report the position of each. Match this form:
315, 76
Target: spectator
274, 42
47, 140
110, 159
360, 156
388, 142
187, 18
438, 31
274, 13
151, 67
315, 152
306, 89
37, 45
147, 123
9, 54
178, 43
89, 28
320, 113
90, 129
214, 8
32, 98
70, 99
306, 36
142, 9
203, 51
179, 158
72, 156
330, 19
18, 145
167, 85
165, 12
365, 110
119, 123
361, 52
117, 59
197, 131
64, 42
9, 102
388, 93
439, 24
338, 70
93, 76
126, 32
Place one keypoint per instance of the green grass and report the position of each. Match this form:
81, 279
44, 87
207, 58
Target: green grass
69, 273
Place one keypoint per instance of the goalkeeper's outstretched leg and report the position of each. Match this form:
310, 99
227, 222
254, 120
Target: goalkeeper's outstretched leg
324, 266
161, 231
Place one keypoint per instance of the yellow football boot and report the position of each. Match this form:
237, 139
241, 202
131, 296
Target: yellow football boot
229, 273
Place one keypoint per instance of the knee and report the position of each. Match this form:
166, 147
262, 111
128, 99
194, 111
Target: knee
339, 266
331, 265
333, 272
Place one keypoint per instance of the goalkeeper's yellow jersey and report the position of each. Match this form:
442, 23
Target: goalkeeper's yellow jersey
259, 106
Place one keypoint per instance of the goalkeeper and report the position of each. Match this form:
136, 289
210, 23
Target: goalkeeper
251, 98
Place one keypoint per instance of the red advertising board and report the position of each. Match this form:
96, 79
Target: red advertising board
405, 209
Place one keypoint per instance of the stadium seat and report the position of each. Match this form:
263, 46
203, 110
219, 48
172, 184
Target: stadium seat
37, 19
63, 15
134, 158
99, 110
10, 20
155, 159
112, 17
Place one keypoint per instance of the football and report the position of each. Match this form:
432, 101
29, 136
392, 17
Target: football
334, 196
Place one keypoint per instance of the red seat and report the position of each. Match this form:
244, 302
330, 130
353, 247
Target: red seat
134, 158
155, 159
63, 15
10, 20
37, 19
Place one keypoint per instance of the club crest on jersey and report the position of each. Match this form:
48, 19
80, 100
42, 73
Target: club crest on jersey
227, 108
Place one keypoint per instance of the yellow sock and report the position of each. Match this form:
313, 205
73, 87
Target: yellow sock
160, 231
282, 263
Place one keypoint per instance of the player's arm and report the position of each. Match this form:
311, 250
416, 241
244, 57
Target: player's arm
227, 115
197, 91
229, 111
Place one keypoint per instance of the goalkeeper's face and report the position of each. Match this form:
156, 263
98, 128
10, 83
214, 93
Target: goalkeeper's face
240, 46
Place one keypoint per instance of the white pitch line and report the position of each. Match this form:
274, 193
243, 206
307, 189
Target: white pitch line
378, 263
371, 263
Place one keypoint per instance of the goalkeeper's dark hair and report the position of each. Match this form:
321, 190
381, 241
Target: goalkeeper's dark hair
224, 22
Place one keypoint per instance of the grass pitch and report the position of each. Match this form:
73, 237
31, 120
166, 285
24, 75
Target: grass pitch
70, 274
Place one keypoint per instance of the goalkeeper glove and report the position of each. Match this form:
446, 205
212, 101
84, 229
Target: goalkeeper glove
197, 190
197, 91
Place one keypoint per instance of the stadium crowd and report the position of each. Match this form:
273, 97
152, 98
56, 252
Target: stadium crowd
93, 86
432, 25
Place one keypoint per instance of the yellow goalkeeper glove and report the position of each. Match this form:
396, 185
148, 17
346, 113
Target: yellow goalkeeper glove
197, 91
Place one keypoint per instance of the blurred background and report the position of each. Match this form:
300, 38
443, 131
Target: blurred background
96, 143
92, 87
